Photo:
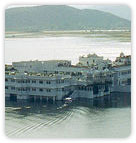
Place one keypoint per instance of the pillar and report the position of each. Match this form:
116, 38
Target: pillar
34, 98
47, 99
54, 99
40, 98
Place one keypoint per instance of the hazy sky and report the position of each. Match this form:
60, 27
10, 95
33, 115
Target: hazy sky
120, 10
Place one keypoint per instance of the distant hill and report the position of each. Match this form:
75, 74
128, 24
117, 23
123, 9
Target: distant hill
60, 17
120, 10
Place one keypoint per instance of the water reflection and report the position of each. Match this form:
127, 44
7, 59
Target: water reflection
80, 118
116, 100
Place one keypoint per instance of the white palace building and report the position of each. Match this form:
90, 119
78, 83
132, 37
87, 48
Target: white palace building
56, 79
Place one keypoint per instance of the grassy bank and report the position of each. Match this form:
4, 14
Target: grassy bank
117, 35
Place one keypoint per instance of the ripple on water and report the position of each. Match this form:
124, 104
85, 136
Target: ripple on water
77, 119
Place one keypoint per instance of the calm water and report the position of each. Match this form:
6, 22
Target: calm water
106, 117
64, 47
109, 117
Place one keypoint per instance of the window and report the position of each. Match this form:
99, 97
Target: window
18, 81
41, 82
89, 88
33, 81
12, 88
40, 89
12, 80
57, 81
24, 89
33, 89
124, 81
129, 71
45, 71
6, 87
56, 72
62, 81
24, 81
6, 79
19, 89
126, 72
28, 89
48, 90
48, 82
129, 81
67, 73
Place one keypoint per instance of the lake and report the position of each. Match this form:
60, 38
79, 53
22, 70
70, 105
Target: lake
67, 47
107, 117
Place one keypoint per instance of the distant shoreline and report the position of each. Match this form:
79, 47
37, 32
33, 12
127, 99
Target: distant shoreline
119, 35
40, 34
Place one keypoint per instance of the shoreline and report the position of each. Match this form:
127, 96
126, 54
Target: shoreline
91, 33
